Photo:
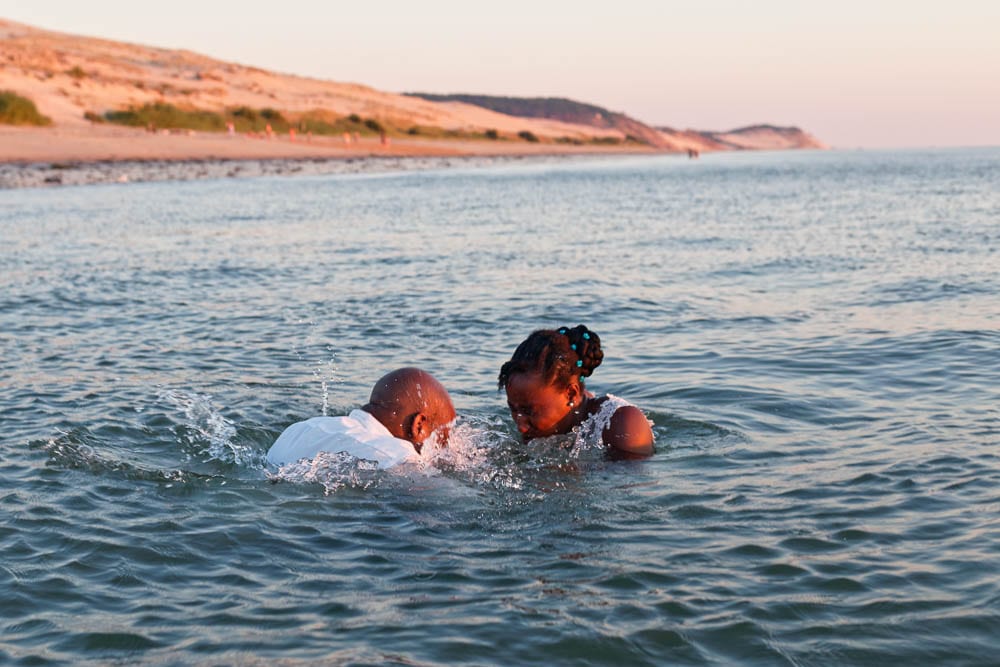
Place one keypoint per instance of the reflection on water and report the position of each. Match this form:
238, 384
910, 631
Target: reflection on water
813, 336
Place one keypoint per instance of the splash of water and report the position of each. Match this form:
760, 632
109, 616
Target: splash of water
479, 452
333, 470
209, 431
326, 373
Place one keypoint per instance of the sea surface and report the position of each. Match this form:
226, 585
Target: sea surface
814, 335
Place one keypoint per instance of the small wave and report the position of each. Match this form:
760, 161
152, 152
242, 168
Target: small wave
79, 450
921, 290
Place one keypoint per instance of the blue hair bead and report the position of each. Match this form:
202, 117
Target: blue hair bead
579, 364
563, 331
586, 336
573, 346
581, 378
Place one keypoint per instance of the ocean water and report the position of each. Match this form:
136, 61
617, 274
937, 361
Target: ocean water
815, 337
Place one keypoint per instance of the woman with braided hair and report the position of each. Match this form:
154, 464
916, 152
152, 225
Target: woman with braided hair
546, 395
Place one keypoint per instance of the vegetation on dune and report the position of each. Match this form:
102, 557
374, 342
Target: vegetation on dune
595, 141
432, 132
18, 110
325, 123
556, 108
244, 119
161, 115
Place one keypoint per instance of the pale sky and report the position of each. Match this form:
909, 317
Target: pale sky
869, 73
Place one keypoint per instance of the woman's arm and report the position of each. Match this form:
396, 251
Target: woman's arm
629, 434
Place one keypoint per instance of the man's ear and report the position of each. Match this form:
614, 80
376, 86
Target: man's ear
420, 428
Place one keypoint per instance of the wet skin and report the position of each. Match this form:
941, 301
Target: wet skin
540, 409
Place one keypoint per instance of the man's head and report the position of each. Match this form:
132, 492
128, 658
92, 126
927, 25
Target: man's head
411, 403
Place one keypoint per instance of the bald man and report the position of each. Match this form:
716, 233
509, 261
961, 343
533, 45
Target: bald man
405, 407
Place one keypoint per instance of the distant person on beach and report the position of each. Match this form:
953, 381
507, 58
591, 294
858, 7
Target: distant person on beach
544, 381
405, 408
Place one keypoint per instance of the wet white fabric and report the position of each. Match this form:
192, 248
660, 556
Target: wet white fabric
358, 434
591, 431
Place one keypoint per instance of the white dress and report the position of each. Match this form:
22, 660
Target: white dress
358, 434
591, 431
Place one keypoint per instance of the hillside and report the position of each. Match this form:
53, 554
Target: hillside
753, 137
68, 76
82, 84
558, 109
769, 137
756, 137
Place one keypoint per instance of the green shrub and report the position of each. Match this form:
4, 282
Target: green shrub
76, 72
93, 117
244, 113
323, 123
17, 110
160, 114
319, 125
434, 132
528, 136
272, 116
245, 119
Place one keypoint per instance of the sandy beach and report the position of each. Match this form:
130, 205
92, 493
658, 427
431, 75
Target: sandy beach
102, 143
31, 157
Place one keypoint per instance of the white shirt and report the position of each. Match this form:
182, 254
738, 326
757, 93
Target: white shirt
358, 434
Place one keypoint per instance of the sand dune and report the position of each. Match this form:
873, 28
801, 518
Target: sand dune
70, 76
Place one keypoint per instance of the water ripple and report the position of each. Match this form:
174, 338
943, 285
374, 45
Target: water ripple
812, 336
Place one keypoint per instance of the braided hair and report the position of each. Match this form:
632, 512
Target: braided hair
558, 355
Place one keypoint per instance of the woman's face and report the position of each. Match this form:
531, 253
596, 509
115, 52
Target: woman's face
538, 409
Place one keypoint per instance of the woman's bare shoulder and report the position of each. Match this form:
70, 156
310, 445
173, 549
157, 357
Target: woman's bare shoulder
629, 432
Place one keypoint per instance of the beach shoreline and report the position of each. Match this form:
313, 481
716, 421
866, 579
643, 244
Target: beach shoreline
38, 157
